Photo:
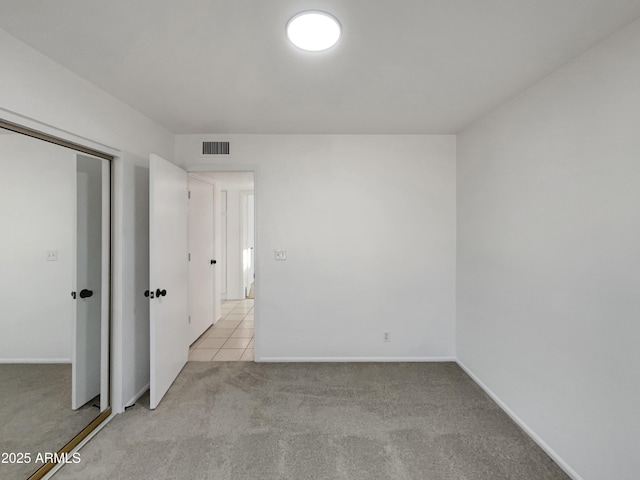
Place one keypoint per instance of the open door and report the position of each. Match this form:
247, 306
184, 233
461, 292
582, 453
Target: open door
168, 275
90, 354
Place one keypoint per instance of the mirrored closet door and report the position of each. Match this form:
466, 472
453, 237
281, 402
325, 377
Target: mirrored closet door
54, 297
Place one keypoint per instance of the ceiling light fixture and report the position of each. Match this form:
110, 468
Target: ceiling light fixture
313, 31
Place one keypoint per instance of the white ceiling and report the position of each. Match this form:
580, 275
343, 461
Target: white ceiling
402, 66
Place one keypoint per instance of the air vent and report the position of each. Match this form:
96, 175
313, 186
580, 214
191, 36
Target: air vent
215, 148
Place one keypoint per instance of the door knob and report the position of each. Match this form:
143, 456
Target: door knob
160, 293
86, 293
213, 262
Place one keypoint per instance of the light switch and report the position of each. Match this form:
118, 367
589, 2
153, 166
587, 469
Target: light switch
52, 255
281, 254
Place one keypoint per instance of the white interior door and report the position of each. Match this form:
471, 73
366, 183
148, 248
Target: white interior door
222, 276
168, 275
219, 266
202, 262
90, 355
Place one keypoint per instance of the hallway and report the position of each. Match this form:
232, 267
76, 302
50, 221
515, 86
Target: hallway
231, 339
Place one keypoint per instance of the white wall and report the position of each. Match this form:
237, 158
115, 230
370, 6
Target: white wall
368, 223
549, 258
41, 94
37, 205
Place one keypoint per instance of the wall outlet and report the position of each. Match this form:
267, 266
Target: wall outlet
52, 255
386, 336
280, 254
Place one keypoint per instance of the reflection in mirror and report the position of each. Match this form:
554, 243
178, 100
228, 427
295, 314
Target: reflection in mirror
54, 297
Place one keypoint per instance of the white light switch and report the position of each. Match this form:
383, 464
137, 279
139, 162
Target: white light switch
52, 255
281, 254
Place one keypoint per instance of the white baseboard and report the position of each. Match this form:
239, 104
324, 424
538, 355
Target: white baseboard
137, 396
354, 359
534, 436
35, 360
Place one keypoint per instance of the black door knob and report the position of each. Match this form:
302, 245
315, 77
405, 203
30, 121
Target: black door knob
213, 262
160, 293
86, 293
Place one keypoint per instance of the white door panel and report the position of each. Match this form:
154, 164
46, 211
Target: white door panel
168, 275
201, 270
90, 326
218, 270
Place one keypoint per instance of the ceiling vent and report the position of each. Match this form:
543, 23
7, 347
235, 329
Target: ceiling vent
215, 148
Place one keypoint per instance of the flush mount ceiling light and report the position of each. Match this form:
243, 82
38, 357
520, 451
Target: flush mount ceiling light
313, 31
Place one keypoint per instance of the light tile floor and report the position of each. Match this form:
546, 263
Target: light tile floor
231, 339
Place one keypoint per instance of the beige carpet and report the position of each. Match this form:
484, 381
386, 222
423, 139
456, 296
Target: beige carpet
249, 421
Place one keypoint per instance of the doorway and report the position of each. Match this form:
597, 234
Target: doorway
171, 306
227, 279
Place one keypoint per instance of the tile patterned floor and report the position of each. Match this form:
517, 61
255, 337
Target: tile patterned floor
231, 339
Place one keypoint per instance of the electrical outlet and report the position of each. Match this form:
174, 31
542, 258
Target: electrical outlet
280, 254
52, 255
387, 336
